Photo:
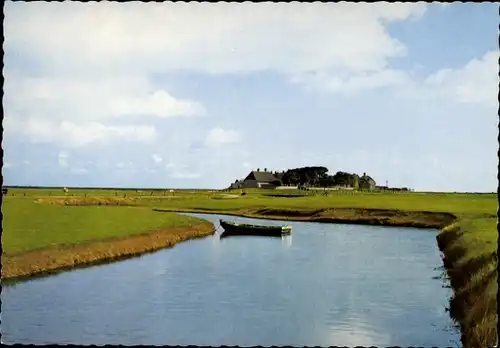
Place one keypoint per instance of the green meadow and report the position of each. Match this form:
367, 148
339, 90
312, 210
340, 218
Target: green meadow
37, 218
28, 225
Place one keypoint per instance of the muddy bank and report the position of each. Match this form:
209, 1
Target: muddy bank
54, 259
474, 283
378, 217
382, 217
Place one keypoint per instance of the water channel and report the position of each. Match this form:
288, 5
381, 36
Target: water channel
325, 285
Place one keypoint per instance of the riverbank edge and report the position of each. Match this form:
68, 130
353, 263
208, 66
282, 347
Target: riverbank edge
470, 300
358, 216
474, 281
47, 261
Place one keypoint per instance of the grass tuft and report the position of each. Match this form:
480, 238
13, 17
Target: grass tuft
447, 235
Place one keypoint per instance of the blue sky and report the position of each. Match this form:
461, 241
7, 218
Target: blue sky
197, 95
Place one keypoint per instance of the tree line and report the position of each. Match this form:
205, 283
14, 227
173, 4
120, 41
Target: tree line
317, 177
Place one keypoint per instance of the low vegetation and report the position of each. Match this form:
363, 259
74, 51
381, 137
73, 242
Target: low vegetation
39, 238
37, 220
470, 257
63, 256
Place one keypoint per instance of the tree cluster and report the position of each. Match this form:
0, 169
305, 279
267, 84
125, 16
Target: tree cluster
318, 177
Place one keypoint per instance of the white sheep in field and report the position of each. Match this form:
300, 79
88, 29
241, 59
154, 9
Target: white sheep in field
65, 190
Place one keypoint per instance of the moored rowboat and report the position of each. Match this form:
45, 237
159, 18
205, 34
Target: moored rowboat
234, 228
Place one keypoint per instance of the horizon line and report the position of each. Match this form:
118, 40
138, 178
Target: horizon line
179, 188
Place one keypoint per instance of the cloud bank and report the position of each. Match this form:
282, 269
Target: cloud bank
95, 80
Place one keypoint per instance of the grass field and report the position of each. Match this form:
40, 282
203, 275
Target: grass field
28, 225
39, 218
42, 238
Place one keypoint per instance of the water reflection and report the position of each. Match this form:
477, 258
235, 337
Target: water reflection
356, 333
287, 240
334, 285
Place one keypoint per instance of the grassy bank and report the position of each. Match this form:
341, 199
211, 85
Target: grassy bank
468, 238
40, 238
470, 254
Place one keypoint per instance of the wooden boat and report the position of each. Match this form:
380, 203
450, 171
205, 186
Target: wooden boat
234, 228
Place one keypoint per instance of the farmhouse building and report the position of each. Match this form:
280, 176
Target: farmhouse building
259, 179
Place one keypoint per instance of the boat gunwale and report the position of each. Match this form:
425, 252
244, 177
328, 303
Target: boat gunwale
253, 226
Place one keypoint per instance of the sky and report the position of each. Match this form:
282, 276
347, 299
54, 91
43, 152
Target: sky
196, 95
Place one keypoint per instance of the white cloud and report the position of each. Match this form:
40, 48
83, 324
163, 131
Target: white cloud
85, 74
157, 159
92, 96
100, 68
62, 159
66, 133
351, 84
125, 165
160, 103
218, 136
84, 107
170, 165
79, 171
246, 165
476, 82
215, 38
184, 175
181, 171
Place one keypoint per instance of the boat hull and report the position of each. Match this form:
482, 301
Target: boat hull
233, 229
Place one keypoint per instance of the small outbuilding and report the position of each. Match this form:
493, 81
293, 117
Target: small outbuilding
366, 182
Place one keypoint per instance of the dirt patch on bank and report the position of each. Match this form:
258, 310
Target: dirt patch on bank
383, 217
225, 196
53, 259
81, 201
288, 212
285, 195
